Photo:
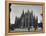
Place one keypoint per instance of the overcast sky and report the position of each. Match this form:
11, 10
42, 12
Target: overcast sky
16, 10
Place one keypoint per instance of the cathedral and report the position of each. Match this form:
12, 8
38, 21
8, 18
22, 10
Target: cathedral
27, 20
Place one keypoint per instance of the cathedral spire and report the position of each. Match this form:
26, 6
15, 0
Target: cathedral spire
28, 11
23, 12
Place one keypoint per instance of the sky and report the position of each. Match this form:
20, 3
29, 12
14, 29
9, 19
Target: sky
16, 10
